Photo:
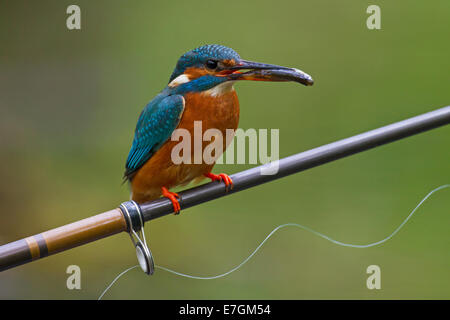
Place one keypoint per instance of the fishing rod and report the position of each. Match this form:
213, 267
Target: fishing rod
130, 217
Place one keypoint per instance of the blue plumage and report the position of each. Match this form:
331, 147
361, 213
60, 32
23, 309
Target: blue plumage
197, 85
160, 118
155, 125
198, 57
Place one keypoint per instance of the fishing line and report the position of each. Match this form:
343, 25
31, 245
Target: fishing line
273, 232
115, 279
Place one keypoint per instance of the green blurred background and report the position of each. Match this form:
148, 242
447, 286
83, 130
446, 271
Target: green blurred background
70, 100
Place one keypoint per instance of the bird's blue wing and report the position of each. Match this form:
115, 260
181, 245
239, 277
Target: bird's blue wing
155, 125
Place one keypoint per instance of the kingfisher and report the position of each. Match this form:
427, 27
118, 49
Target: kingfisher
199, 89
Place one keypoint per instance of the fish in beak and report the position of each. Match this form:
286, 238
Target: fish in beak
249, 70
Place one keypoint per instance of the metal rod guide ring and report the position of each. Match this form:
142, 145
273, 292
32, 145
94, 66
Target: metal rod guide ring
135, 227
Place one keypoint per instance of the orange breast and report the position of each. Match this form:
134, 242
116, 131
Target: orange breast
219, 112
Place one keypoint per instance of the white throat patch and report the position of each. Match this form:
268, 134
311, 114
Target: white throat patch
220, 89
182, 78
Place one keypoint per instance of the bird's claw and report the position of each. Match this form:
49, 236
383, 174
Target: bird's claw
221, 177
172, 196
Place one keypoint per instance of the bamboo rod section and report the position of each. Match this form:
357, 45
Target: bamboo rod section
63, 238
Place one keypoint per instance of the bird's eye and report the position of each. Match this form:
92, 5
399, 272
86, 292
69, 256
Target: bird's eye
211, 64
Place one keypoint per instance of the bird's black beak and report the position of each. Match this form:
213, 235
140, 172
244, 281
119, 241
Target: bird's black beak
267, 72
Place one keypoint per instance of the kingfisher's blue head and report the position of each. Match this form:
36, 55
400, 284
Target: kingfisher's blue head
204, 59
223, 64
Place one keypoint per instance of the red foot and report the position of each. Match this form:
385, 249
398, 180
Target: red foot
172, 196
221, 177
